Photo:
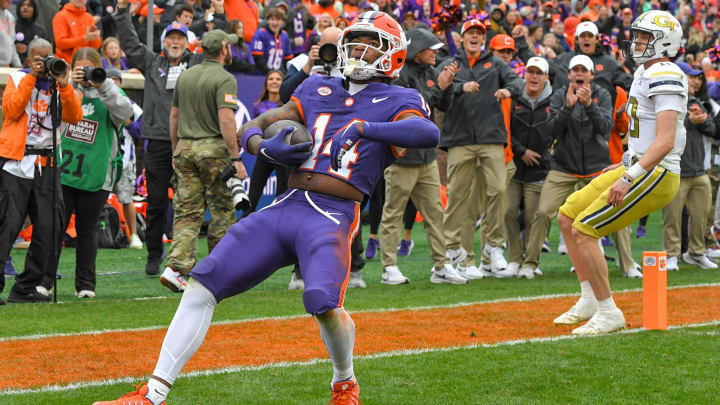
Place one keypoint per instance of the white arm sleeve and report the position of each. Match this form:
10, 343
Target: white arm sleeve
672, 102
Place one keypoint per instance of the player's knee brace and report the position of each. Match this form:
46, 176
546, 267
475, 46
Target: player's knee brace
317, 301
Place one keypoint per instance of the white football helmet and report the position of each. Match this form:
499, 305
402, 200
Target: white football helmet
665, 30
392, 39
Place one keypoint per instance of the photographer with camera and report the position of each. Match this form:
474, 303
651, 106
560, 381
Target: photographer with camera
26, 180
204, 144
322, 59
90, 163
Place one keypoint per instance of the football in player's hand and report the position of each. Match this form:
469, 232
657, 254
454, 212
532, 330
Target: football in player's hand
299, 135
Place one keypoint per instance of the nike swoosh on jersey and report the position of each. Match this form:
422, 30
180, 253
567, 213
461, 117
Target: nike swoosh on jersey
377, 100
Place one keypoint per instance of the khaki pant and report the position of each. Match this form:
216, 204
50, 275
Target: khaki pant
529, 194
694, 192
478, 204
624, 249
555, 190
465, 163
422, 184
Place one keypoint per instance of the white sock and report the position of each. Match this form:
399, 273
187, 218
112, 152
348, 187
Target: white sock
337, 330
586, 290
607, 304
186, 332
157, 391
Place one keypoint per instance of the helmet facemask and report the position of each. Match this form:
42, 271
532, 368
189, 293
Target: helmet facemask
359, 68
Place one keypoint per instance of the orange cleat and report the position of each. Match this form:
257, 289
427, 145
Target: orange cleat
136, 398
345, 393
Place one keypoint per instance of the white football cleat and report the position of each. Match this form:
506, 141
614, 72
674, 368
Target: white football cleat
672, 264
472, 272
538, 272
527, 272
392, 276
85, 294
583, 310
510, 271
713, 253
562, 248
135, 242
633, 272
497, 259
174, 280
701, 261
447, 274
356, 280
456, 255
297, 283
602, 322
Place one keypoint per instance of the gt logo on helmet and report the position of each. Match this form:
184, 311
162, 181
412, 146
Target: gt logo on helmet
663, 21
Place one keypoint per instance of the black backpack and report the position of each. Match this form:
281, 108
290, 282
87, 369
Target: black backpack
110, 234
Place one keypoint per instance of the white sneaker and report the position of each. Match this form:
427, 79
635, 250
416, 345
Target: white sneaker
356, 280
497, 259
713, 253
562, 248
572, 269
672, 264
298, 283
478, 222
633, 272
583, 310
85, 294
174, 280
510, 271
392, 275
472, 272
456, 255
701, 261
42, 290
135, 242
447, 274
538, 272
526, 272
602, 322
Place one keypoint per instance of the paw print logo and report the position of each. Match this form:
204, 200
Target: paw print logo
661, 264
88, 109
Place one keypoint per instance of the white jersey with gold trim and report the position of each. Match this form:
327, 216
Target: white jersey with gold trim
661, 87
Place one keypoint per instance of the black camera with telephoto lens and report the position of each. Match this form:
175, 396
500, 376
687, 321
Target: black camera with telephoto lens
53, 65
241, 201
96, 75
328, 53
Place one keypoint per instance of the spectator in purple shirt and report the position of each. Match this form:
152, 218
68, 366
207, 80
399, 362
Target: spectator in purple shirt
242, 60
112, 54
271, 44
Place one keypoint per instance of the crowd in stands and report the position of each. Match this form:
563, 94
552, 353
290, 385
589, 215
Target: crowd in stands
507, 35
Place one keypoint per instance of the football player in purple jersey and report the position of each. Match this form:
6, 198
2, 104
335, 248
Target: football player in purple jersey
360, 123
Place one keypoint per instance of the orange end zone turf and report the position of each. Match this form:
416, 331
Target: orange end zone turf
110, 355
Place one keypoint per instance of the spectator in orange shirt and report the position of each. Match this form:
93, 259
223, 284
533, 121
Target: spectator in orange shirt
245, 11
324, 6
74, 28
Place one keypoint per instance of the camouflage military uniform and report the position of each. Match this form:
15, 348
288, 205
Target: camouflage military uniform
198, 164
199, 158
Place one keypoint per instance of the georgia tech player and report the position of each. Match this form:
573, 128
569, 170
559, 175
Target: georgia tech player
646, 181
360, 123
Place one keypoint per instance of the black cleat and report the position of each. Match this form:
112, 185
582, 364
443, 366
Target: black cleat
33, 296
152, 268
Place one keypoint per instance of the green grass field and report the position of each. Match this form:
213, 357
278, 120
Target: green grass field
678, 366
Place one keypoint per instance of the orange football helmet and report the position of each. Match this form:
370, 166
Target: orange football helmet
393, 47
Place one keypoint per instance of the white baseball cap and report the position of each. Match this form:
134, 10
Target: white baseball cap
539, 63
582, 60
586, 26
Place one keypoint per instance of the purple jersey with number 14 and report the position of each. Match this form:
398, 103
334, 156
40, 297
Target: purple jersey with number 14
327, 108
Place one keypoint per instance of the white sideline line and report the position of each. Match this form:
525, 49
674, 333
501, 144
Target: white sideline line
234, 369
364, 311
